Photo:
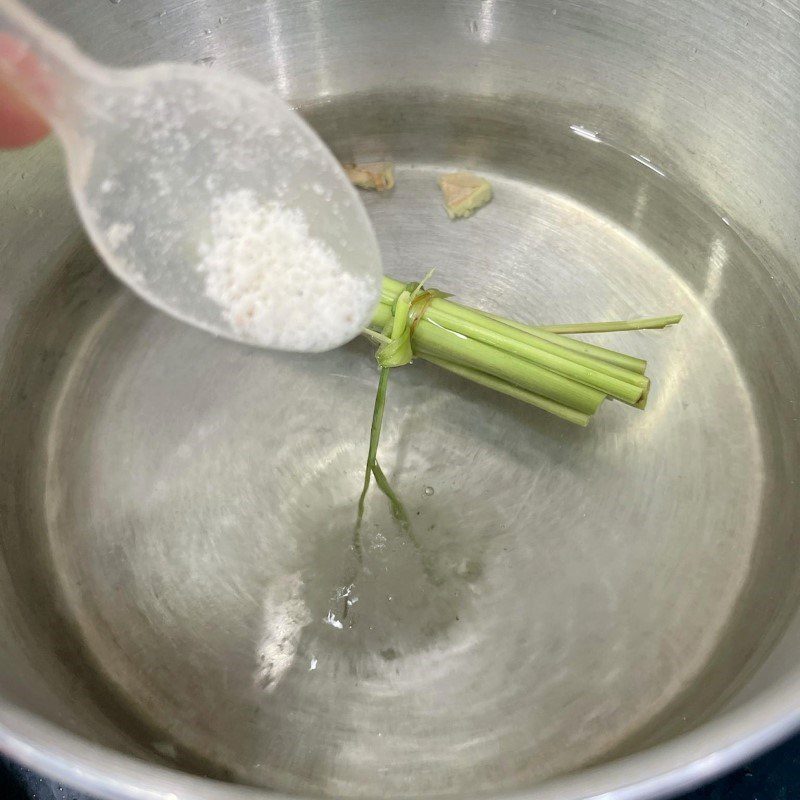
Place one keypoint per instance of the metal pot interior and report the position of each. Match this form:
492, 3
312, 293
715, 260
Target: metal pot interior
175, 510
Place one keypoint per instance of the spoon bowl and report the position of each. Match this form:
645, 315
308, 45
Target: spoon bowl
205, 193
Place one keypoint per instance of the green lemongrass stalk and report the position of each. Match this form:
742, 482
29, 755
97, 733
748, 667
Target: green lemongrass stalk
474, 375
434, 340
547, 350
401, 517
537, 365
635, 364
619, 365
625, 385
613, 381
374, 336
372, 461
643, 401
646, 324
621, 360
396, 327
391, 288
395, 504
394, 350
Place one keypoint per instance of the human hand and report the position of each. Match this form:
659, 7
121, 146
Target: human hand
20, 124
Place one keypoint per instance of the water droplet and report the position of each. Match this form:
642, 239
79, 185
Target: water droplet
428, 491
115, 2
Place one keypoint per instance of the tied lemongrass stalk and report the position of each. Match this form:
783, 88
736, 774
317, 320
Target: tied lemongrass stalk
539, 365
394, 350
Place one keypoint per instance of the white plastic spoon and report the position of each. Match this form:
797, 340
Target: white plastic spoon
204, 192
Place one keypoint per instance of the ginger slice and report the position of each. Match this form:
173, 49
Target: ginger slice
378, 176
464, 193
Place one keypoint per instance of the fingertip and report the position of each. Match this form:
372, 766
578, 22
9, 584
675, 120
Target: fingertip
20, 124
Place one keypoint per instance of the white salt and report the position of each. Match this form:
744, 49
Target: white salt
118, 233
277, 284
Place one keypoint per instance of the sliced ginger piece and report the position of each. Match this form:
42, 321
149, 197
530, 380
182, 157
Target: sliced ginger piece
464, 193
378, 176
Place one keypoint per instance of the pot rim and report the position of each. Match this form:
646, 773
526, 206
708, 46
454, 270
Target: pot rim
679, 764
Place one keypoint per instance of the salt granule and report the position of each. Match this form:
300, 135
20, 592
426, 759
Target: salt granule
277, 284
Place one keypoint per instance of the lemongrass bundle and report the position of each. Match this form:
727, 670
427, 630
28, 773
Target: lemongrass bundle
541, 366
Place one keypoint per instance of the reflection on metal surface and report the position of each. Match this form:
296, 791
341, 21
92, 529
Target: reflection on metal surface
273, 23
285, 616
585, 133
486, 21
717, 261
649, 164
319, 28
640, 206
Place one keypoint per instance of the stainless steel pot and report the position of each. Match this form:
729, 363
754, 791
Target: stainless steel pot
615, 612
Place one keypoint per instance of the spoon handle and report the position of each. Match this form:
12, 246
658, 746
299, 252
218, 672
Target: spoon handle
44, 66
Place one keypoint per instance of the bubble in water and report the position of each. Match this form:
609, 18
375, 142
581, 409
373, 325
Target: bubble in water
428, 491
